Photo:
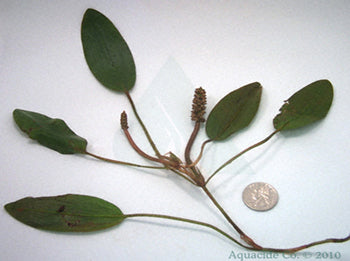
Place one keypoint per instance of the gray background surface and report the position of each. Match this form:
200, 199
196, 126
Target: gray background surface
177, 46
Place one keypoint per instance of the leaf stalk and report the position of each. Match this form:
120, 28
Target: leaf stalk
121, 162
186, 220
241, 153
243, 236
149, 138
223, 233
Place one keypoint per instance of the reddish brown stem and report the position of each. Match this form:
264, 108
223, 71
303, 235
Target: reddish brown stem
197, 176
121, 162
142, 124
190, 143
137, 149
299, 248
161, 160
200, 154
243, 236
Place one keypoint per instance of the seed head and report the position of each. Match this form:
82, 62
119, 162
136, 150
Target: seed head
198, 105
124, 120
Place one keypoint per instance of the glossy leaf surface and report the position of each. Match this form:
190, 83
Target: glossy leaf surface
51, 133
306, 106
66, 213
106, 52
234, 112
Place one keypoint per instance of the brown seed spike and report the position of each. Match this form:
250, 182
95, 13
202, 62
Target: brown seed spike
198, 105
124, 121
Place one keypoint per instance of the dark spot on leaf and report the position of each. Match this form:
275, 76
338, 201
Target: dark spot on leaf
73, 224
61, 209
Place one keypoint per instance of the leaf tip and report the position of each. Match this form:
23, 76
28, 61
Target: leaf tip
16, 112
7, 207
11, 209
90, 10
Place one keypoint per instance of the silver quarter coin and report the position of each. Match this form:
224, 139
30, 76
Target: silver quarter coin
260, 196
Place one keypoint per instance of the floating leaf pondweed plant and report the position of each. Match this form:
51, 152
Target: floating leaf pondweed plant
111, 62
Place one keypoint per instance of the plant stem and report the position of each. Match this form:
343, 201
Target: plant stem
168, 163
241, 153
190, 142
137, 149
200, 154
142, 125
137, 165
254, 248
199, 223
243, 236
121, 162
198, 177
296, 249
183, 176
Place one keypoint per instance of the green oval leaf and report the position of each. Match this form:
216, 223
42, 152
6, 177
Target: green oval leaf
234, 112
66, 213
106, 52
306, 106
51, 133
